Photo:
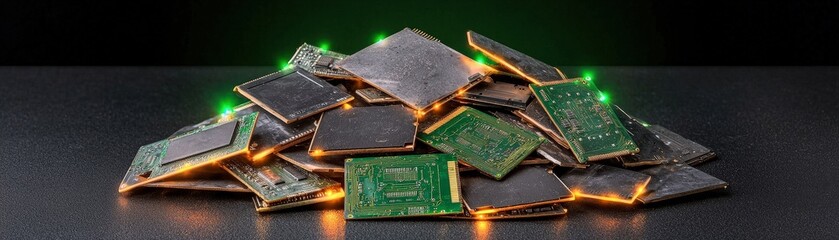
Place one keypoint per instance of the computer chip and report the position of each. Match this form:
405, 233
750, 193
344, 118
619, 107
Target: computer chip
372, 96
324, 165
533, 212
414, 69
535, 114
676, 180
550, 150
152, 164
401, 186
373, 129
533, 70
497, 93
585, 119
293, 95
653, 151
320, 62
275, 180
685, 150
524, 187
606, 183
487, 143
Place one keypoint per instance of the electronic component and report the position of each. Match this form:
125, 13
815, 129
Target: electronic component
535, 114
400, 186
533, 212
324, 195
533, 70
487, 143
274, 180
606, 183
585, 119
373, 129
372, 96
325, 165
548, 149
524, 187
652, 151
414, 69
685, 150
293, 95
497, 93
676, 180
527, 162
320, 62
190, 151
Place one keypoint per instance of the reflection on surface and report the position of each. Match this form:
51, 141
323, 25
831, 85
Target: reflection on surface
483, 228
610, 225
263, 224
332, 223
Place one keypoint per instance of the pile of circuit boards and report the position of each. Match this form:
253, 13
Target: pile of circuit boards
512, 140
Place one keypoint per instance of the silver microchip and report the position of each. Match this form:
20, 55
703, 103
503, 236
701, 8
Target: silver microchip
417, 71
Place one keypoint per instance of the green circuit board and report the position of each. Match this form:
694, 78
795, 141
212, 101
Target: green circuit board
489, 144
274, 180
320, 62
585, 118
400, 186
151, 162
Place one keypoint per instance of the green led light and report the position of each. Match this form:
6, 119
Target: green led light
379, 37
283, 64
324, 46
480, 58
603, 97
588, 75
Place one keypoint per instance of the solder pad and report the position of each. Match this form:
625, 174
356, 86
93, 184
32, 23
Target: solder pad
577, 109
676, 180
320, 62
487, 143
400, 186
524, 187
606, 183
148, 164
414, 69
390, 128
534, 70
274, 180
293, 95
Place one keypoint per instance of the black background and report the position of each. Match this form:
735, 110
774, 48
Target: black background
564, 33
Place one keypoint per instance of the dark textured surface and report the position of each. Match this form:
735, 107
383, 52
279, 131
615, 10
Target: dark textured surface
390, 128
294, 95
533, 69
524, 185
69, 134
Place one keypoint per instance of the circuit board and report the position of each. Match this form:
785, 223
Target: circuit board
487, 143
498, 93
674, 180
533, 212
684, 149
320, 62
549, 149
274, 180
324, 165
293, 95
414, 68
373, 129
530, 68
152, 163
606, 183
586, 120
525, 187
400, 186
201, 179
325, 195
535, 114
653, 151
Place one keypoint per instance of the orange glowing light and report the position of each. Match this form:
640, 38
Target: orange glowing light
261, 155
347, 106
506, 64
461, 92
317, 152
612, 197
436, 106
